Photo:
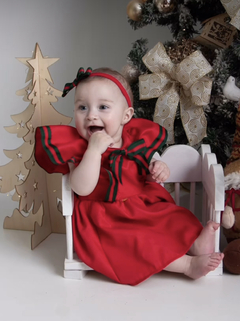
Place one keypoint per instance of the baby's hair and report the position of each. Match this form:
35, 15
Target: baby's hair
116, 75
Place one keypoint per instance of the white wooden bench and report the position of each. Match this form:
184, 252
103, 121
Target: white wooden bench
201, 175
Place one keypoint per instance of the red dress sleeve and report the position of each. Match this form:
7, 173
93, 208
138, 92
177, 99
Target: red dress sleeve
154, 135
56, 146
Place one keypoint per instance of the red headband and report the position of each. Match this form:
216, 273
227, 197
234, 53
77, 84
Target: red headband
83, 75
117, 82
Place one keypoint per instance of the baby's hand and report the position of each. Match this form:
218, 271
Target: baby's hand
159, 170
100, 141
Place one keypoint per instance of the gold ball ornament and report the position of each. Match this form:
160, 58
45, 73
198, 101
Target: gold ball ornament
165, 6
134, 10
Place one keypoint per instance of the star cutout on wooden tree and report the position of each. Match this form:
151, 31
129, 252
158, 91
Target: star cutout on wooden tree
49, 91
35, 186
20, 177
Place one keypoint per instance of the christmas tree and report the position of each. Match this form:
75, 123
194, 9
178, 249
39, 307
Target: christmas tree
202, 31
36, 191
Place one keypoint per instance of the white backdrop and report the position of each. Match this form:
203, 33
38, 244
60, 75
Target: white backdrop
79, 32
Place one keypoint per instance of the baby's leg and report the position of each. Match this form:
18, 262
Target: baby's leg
195, 266
204, 244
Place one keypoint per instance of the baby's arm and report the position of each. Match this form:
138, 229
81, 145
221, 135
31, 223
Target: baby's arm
159, 170
84, 177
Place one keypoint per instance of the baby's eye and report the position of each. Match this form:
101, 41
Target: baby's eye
103, 107
81, 107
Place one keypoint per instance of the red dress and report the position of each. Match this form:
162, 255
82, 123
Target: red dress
127, 229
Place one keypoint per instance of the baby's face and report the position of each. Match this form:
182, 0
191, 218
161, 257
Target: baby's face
100, 106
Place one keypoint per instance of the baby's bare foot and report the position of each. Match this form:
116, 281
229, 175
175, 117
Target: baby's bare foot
204, 244
199, 266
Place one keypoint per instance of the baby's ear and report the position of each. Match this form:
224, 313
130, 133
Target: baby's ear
128, 115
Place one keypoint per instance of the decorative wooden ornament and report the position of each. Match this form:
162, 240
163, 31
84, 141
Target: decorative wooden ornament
217, 32
37, 192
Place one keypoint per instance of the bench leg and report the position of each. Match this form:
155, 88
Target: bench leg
74, 274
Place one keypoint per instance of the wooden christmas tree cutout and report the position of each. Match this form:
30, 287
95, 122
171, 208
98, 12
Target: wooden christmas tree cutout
37, 192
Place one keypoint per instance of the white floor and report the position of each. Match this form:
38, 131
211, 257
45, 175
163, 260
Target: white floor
32, 288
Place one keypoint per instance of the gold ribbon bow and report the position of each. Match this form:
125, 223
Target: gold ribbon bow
233, 10
173, 83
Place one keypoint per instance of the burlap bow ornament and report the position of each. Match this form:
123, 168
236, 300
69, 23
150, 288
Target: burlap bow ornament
186, 83
233, 10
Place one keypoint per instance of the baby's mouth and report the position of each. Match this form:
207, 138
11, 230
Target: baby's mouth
94, 129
